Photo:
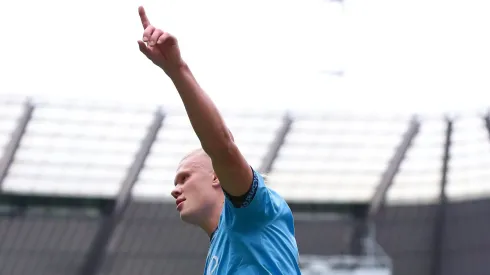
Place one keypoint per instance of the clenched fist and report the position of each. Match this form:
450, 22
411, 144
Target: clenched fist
159, 46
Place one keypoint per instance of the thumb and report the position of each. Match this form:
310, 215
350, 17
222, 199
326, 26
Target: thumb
143, 48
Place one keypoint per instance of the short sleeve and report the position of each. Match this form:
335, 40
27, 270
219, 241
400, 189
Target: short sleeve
259, 204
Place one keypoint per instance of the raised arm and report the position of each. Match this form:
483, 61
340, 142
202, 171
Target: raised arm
232, 169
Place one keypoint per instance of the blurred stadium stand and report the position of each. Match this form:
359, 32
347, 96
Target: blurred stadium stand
85, 189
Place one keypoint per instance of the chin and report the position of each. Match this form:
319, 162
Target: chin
184, 215
187, 217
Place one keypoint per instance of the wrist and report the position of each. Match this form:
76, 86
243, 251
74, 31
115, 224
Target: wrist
178, 70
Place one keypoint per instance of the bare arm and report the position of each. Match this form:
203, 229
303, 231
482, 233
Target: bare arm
229, 164
162, 49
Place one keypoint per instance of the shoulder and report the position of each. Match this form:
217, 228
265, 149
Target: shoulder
258, 190
260, 204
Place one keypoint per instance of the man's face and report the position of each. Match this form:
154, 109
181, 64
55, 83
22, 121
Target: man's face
193, 192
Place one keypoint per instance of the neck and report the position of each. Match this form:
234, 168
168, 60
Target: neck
210, 225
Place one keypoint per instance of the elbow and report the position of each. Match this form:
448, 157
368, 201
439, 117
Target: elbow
222, 147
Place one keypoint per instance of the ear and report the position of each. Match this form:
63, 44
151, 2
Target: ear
216, 181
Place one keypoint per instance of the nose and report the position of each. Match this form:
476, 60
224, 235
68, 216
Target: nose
176, 192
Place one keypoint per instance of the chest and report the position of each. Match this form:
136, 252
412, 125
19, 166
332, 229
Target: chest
218, 254
243, 251
212, 265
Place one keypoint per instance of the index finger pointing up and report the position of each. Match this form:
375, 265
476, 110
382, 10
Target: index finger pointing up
143, 17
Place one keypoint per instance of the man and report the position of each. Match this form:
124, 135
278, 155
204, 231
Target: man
251, 227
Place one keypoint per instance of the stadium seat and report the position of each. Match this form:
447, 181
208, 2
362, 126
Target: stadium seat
469, 167
419, 177
77, 149
11, 109
253, 134
60, 191
335, 158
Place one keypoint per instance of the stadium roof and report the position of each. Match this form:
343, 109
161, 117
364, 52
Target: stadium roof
86, 148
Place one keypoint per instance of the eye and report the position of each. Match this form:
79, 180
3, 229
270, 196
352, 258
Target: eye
186, 177
183, 178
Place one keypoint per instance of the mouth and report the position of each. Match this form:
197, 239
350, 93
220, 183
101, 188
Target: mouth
179, 203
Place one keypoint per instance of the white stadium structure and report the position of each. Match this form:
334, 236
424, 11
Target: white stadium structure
399, 179
86, 148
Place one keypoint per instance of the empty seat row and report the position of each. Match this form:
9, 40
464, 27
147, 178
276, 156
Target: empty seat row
82, 149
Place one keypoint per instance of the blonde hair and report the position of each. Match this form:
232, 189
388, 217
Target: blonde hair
194, 152
201, 151
265, 177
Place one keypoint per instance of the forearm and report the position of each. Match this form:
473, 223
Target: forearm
205, 118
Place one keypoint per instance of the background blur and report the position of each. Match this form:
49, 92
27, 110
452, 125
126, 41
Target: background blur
370, 117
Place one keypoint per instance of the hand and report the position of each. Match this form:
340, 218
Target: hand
159, 46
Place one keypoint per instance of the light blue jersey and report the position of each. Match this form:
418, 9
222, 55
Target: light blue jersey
255, 236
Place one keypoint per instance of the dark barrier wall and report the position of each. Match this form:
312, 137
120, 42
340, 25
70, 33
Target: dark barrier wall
466, 246
45, 243
406, 233
152, 240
